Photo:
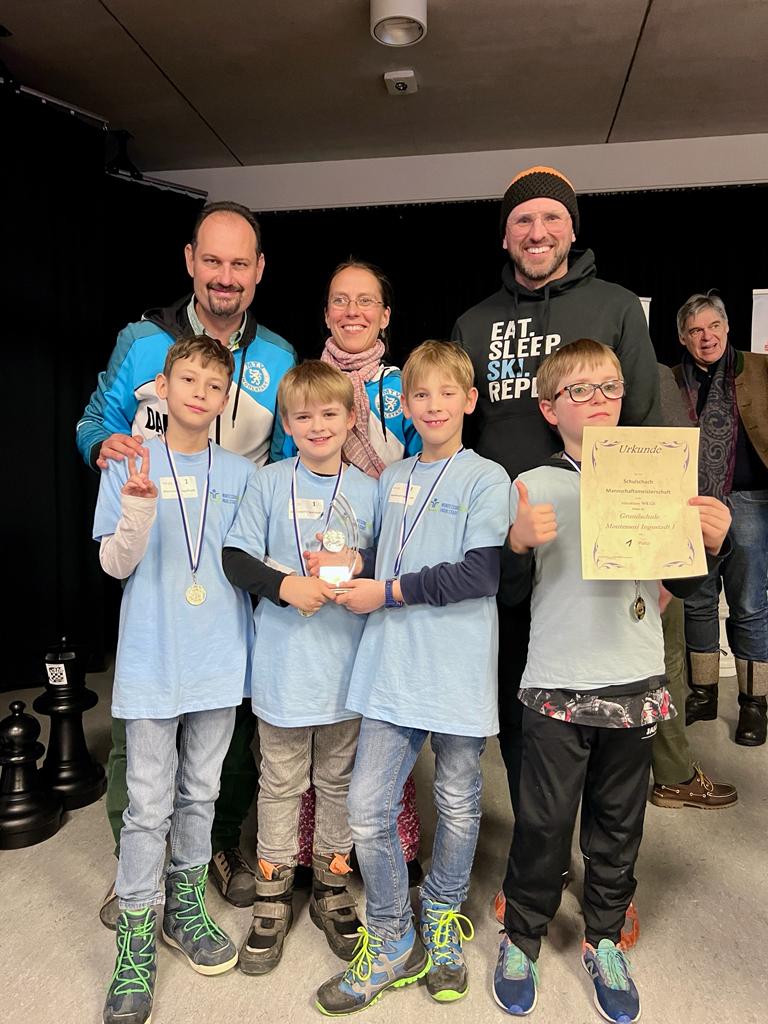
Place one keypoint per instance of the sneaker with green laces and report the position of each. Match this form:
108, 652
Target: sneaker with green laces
443, 929
188, 927
132, 989
515, 980
378, 964
616, 996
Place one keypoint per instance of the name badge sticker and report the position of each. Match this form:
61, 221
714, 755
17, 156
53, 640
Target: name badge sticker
187, 487
307, 508
397, 494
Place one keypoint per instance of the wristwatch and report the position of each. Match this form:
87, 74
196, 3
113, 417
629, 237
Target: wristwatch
389, 597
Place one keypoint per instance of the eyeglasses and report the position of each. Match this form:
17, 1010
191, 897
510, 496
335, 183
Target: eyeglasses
362, 301
583, 392
555, 222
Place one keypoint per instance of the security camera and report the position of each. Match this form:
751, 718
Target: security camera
399, 83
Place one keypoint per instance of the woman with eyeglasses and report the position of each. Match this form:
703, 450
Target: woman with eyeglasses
357, 311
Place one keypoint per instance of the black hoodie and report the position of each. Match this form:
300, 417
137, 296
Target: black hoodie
508, 334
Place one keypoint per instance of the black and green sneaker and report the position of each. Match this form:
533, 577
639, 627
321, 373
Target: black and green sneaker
443, 929
188, 927
132, 989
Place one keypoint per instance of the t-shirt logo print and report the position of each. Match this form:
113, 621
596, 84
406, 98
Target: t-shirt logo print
256, 377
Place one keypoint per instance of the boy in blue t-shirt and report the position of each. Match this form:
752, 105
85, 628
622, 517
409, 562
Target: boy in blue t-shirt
593, 690
180, 669
426, 665
301, 663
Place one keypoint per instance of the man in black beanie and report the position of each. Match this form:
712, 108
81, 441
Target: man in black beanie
549, 297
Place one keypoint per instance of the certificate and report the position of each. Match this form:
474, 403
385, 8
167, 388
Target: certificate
636, 523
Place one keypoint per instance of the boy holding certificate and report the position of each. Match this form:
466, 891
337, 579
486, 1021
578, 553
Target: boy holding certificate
302, 656
180, 668
426, 665
593, 692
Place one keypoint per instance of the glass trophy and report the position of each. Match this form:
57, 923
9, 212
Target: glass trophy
340, 544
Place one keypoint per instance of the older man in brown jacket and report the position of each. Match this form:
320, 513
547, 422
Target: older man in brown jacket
726, 393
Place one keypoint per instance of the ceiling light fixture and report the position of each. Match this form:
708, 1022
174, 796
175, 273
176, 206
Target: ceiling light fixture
398, 22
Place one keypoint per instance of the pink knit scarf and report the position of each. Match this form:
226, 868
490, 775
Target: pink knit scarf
360, 367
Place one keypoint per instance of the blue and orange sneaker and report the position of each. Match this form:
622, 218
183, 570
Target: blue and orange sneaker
515, 980
630, 932
616, 995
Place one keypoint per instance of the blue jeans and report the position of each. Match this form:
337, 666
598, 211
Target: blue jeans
744, 575
386, 755
169, 789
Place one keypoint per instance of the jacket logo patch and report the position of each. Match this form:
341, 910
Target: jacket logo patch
256, 377
392, 406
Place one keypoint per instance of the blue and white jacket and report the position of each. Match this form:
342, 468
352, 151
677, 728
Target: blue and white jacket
392, 435
125, 400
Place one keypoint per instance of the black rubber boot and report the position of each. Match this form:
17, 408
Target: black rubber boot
753, 721
703, 677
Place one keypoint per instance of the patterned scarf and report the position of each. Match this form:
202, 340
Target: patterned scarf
359, 367
718, 422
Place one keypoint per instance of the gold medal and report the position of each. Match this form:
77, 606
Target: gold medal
638, 607
195, 594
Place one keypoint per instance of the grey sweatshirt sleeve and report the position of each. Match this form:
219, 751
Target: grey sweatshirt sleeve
476, 575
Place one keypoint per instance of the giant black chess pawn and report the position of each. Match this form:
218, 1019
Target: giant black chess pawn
69, 768
29, 813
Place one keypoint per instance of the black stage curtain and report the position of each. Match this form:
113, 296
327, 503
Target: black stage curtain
84, 254
444, 257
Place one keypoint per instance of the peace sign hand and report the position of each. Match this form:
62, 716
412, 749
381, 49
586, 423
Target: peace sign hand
138, 484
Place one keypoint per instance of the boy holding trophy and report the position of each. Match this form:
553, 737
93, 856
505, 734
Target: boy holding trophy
302, 655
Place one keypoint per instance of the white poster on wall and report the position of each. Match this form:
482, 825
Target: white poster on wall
760, 320
646, 304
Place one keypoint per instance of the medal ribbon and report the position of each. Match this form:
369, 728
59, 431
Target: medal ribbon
405, 537
299, 547
194, 556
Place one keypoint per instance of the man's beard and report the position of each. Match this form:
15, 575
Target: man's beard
222, 304
540, 272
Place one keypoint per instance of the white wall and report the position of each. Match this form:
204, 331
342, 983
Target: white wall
616, 167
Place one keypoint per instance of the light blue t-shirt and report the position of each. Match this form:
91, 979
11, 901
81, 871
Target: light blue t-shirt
421, 666
584, 634
301, 665
173, 657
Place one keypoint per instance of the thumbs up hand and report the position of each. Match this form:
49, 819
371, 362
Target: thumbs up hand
534, 524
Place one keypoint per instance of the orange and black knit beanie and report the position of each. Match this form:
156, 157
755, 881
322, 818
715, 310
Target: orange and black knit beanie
539, 183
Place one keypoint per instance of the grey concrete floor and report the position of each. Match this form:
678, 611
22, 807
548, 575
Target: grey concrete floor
702, 899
